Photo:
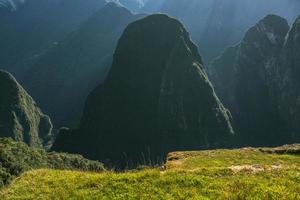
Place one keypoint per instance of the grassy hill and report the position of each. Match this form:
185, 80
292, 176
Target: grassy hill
246, 173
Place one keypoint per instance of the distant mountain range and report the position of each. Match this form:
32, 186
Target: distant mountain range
73, 67
38, 25
215, 24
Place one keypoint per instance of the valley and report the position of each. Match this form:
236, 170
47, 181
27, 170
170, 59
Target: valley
148, 99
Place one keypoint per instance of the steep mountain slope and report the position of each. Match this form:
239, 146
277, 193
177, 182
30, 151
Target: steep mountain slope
157, 98
20, 118
71, 69
288, 73
258, 82
38, 24
215, 24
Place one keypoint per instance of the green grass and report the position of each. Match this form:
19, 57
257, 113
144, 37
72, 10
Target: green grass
220, 174
224, 158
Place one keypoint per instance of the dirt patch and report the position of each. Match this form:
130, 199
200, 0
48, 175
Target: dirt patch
250, 168
175, 159
179, 155
253, 168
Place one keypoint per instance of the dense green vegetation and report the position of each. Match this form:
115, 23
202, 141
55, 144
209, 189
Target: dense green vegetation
221, 174
20, 117
17, 157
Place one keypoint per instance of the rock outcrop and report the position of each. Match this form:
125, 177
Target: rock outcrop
157, 98
288, 84
257, 80
20, 118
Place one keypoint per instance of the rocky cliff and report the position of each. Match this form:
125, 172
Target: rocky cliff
288, 84
257, 80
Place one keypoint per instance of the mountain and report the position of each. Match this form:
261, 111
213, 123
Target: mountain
257, 80
70, 70
288, 71
20, 118
156, 98
216, 24
38, 24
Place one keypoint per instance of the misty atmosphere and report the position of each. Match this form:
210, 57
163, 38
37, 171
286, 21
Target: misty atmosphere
150, 99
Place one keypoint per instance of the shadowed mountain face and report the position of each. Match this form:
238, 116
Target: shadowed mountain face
71, 69
38, 24
157, 98
20, 118
215, 24
288, 73
258, 81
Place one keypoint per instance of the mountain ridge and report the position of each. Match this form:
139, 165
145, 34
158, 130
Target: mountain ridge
256, 83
